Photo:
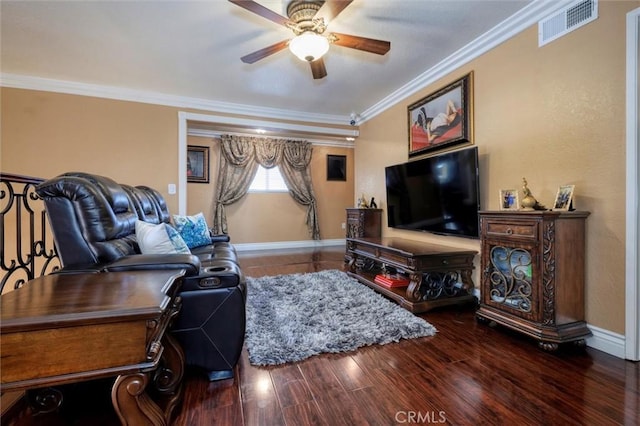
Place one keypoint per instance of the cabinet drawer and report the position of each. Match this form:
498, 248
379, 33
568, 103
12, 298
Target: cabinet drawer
524, 229
444, 263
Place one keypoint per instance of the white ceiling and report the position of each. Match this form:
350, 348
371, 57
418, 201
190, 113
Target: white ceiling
192, 49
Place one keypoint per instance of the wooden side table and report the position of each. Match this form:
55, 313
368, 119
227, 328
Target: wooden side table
61, 329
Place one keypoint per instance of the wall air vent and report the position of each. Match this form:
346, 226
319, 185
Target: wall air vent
571, 17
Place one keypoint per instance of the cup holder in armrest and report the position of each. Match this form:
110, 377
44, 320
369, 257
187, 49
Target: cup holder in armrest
215, 269
217, 274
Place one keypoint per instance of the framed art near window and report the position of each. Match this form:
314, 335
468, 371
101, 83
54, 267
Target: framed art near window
443, 119
337, 167
197, 164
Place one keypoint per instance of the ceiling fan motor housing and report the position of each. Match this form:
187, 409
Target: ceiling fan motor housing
301, 12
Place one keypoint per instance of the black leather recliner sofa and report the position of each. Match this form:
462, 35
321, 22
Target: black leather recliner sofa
93, 223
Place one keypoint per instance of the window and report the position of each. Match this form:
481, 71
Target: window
268, 180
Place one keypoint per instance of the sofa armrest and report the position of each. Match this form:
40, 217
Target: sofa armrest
94, 268
215, 274
142, 262
218, 238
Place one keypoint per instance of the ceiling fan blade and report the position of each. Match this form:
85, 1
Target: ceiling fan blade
378, 47
331, 8
318, 69
263, 53
259, 9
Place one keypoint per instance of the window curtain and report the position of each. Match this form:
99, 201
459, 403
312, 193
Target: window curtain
239, 160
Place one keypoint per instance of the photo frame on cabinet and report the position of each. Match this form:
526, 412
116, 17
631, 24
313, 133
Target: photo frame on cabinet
443, 119
509, 199
197, 164
337, 167
564, 198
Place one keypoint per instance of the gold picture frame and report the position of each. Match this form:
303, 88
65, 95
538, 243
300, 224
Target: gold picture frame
197, 164
442, 120
564, 198
509, 199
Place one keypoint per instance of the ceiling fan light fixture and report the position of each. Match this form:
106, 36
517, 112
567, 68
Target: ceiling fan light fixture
309, 46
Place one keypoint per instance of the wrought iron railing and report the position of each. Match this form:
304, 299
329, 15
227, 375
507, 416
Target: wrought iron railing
27, 250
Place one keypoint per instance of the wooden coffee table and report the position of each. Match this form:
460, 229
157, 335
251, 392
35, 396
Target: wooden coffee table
61, 329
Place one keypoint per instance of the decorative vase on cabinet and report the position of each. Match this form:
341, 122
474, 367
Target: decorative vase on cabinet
533, 272
364, 223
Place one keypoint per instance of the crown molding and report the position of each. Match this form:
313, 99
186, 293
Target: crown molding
19, 81
213, 133
513, 25
508, 28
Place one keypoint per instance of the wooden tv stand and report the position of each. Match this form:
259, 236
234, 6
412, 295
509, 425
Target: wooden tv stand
439, 275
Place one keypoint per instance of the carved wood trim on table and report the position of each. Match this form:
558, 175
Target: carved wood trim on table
438, 275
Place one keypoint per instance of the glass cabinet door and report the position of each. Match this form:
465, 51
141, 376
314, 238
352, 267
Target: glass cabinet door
510, 280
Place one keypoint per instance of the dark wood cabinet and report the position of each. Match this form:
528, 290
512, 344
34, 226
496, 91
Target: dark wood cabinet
364, 223
533, 274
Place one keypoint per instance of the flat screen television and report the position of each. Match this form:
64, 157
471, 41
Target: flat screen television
438, 194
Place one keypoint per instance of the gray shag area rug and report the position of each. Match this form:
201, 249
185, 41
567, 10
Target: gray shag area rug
293, 317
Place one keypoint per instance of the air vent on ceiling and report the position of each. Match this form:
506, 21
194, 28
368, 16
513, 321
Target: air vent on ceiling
566, 20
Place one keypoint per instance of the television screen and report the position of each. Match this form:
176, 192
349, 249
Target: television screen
437, 194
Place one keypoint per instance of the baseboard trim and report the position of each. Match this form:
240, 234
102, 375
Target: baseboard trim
280, 245
607, 341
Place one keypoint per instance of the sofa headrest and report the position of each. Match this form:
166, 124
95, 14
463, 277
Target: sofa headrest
110, 189
143, 204
91, 218
158, 201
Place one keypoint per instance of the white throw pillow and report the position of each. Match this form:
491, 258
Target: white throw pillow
159, 239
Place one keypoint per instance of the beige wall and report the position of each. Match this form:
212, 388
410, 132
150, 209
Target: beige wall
555, 115
44, 134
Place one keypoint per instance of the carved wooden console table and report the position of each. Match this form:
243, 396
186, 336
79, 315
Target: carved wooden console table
61, 329
439, 275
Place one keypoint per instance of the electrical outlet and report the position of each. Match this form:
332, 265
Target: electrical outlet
344, 225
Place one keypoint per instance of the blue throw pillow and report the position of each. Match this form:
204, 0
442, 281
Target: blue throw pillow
193, 229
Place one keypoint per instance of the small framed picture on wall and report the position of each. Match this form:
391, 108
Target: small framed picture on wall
337, 167
197, 164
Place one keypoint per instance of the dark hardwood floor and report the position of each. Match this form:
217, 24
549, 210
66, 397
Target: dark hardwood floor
468, 374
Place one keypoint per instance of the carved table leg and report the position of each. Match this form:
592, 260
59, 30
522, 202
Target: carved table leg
467, 281
168, 377
548, 346
132, 404
351, 266
413, 290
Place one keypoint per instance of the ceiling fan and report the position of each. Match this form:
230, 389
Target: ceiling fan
308, 19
